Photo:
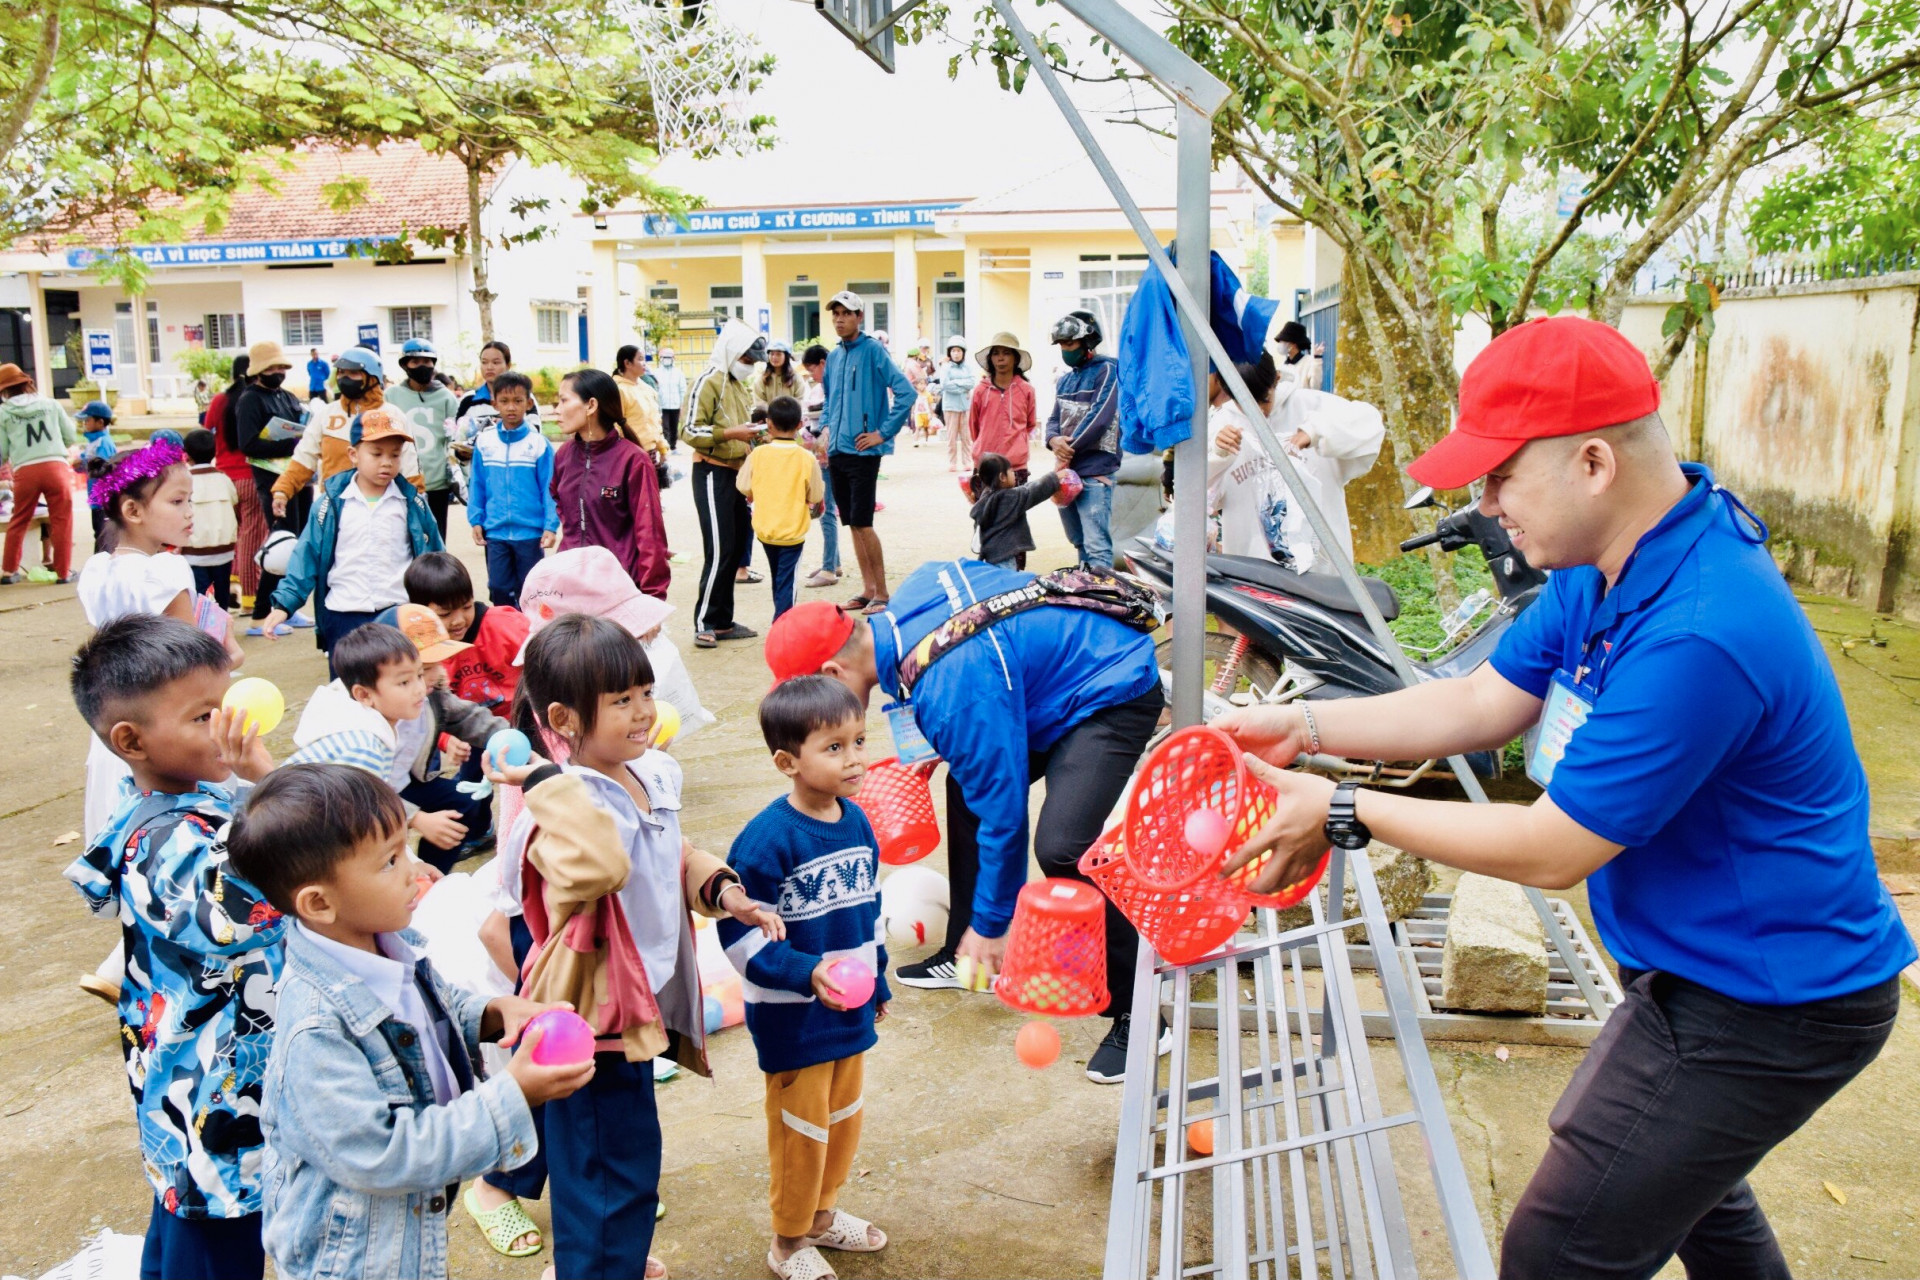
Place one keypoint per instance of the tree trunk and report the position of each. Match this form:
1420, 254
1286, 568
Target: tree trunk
1418, 409
477, 252
13, 122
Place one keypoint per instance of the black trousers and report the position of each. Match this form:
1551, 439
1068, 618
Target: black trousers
438, 500
670, 426
1681, 1095
1085, 771
726, 526
298, 508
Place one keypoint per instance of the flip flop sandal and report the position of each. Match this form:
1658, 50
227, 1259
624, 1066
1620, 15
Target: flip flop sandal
858, 602
504, 1225
877, 606
753, 575
848, 1234
705, 640
805, 1264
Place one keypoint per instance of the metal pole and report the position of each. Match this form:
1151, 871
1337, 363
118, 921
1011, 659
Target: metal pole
1195, 173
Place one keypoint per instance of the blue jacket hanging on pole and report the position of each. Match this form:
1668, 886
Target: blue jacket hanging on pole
1156, 379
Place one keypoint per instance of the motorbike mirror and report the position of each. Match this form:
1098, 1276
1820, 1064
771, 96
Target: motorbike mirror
1424, 496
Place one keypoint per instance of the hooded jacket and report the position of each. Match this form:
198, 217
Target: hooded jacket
430, 418
35, 429
1011, 690
718, 400
865, 392
335, 729
325, 443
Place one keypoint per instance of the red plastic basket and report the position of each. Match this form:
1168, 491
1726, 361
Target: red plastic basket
1056, 959
1182, 925
899, 803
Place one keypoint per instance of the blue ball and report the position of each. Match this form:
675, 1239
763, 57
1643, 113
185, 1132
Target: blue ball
509, 746
716, 1013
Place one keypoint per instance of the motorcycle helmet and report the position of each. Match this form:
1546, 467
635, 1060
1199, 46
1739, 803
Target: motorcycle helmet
276, 553
418, 347
1077, 326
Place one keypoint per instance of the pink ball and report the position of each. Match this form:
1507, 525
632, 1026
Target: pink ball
1207, 832
565, 1038
854, 979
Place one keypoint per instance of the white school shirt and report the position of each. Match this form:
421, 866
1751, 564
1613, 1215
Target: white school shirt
370, 552
113, 586
393, 977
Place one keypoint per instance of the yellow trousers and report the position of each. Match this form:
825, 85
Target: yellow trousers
813, 1133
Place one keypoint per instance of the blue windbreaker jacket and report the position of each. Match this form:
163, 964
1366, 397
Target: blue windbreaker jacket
865, 392
1015, 688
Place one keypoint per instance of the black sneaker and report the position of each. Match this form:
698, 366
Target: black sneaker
936, 973
1109, 1062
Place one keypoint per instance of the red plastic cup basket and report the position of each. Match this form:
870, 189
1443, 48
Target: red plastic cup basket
1056, 951
1183, 925
899, 803
1194, 769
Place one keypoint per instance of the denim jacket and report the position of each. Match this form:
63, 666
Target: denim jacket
361, 1165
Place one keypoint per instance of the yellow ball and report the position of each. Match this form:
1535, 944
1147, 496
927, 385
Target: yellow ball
258, 701
666, 722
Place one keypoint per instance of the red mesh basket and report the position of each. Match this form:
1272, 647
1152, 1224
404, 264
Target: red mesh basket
897, 801
1056, 959
1181, 925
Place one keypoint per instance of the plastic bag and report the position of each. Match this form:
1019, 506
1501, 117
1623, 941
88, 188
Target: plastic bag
672, 683
450, 916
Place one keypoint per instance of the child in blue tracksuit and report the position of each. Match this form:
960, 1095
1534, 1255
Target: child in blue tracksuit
811, 857
510, 497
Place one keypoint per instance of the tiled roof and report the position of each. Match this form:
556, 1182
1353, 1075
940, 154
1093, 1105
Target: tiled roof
406, 187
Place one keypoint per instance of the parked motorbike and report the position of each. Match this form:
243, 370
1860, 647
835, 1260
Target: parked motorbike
1275, 636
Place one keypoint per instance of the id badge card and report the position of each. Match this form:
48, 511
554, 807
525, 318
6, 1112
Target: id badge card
1566, 709
909, 743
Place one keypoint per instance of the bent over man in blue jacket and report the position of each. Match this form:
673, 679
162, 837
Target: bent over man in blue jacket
1059, 693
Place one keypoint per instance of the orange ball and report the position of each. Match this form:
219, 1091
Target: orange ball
1200, 1137
1037, 1045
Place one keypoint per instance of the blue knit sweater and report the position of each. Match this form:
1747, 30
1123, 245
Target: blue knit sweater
821, 877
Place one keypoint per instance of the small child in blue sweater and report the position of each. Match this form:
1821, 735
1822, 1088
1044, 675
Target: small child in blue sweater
811, 857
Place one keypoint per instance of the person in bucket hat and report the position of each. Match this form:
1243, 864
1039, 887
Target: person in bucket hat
1698, 772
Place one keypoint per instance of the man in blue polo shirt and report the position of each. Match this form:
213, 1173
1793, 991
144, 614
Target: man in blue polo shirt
1700, 776
1056, 692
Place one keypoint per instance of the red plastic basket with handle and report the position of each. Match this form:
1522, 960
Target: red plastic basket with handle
1181, 925
899, 803
1056, 959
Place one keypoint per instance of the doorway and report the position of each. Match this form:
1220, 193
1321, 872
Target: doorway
803, 313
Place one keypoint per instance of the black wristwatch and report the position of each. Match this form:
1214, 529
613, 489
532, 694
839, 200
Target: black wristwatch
1344, 828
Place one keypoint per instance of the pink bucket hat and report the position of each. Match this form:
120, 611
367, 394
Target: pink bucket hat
586, 580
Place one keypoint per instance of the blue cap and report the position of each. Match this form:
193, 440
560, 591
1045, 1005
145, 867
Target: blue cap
97, 409
367, 362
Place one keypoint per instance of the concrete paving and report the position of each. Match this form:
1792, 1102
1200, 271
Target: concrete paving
977, 1166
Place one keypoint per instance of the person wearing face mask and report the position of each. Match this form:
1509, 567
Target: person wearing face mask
429, 411
720, 434
262, 398
325, 449
1084, 433
671, 386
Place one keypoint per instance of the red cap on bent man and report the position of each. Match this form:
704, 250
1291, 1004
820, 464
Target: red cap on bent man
805, 637
1553, 376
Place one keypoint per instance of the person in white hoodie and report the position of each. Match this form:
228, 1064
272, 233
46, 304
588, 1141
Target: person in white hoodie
378, 716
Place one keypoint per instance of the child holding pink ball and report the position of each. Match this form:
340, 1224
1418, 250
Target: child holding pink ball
814, 996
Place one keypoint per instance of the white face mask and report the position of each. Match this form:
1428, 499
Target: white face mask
742, 369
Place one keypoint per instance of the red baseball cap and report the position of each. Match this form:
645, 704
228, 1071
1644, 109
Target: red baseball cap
805, 637
1554, 376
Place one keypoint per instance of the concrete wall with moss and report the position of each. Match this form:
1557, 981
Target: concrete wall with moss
1809, 406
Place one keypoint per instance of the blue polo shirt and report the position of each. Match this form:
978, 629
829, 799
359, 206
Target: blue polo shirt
1718, 753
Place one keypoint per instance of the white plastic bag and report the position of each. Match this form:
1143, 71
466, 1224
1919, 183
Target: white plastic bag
672, 683
450, 916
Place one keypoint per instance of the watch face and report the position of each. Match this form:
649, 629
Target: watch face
1355, 837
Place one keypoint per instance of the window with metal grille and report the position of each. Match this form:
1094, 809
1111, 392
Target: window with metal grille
225, 332
1107, 283
301, 329
550, 325
409, 323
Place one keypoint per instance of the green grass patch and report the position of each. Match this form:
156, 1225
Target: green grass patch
1411, 577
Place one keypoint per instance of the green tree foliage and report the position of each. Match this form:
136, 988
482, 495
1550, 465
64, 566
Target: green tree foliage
1860, 199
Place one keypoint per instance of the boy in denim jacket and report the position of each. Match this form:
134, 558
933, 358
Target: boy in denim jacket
373, 1110
202, 946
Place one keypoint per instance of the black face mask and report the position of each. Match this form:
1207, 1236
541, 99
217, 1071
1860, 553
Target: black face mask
272, 381
351, 388
420, 374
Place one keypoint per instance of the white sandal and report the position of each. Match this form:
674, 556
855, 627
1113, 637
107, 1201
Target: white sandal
849, 1235
805, 1263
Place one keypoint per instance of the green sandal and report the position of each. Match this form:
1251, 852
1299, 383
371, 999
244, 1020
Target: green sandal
503, 1226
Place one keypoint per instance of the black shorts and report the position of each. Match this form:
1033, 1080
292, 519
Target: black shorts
855, 477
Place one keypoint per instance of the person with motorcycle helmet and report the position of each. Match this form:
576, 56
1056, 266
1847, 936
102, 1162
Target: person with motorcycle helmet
429, 409
1084, 433
1698, 772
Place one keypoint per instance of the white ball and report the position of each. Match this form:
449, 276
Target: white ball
913, 906
276, 554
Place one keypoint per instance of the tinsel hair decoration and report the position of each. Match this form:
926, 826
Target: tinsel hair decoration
131, 468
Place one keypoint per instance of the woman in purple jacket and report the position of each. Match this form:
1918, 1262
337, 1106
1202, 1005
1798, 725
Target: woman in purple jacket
604, 483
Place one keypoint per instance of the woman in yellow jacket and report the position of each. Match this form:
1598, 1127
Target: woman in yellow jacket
638, 400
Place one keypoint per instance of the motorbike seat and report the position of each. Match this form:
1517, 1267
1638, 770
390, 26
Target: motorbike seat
1328, 590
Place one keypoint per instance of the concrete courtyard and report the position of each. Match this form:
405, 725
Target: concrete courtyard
977, 1166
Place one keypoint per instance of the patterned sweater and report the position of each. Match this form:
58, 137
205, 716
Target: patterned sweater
821, 877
